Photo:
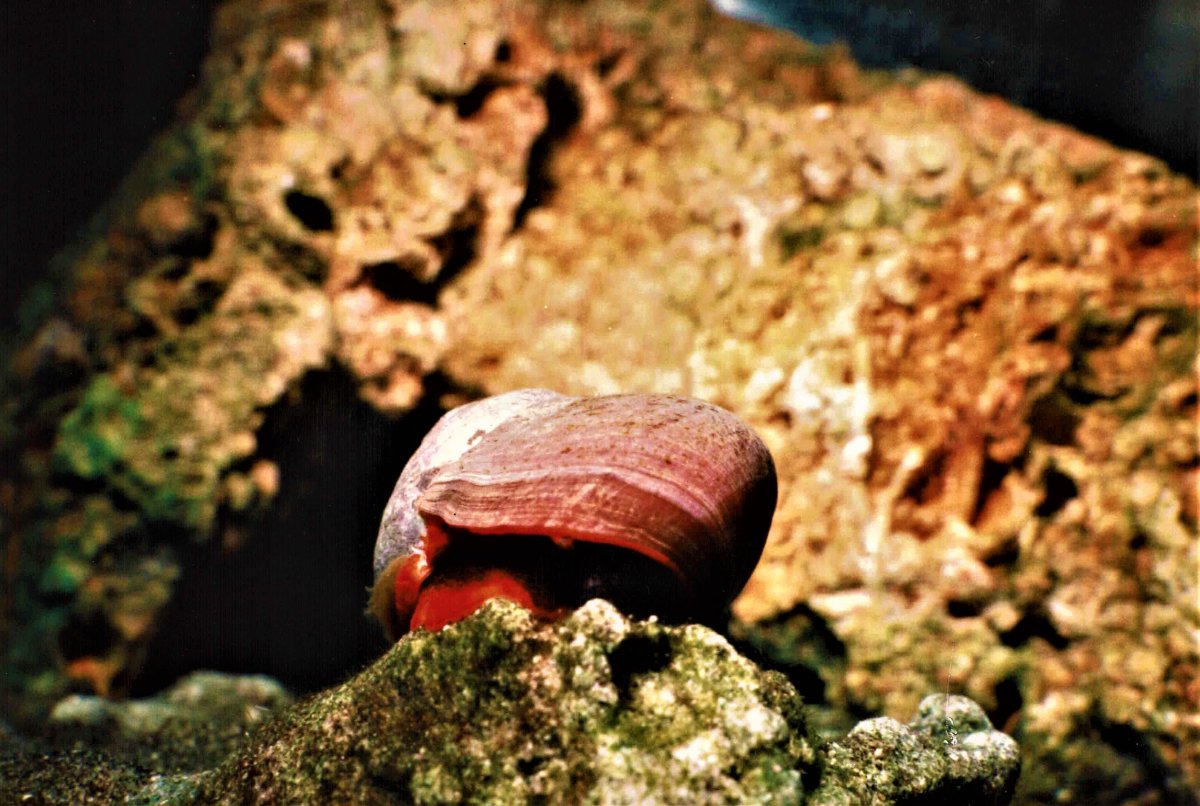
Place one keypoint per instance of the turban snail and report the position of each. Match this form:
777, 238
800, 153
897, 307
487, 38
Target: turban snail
660, 504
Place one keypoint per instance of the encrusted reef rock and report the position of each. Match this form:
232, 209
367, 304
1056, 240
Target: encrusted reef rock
949, 753
968, 335
501, 709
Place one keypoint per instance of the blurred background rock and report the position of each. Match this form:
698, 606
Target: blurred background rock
87, 85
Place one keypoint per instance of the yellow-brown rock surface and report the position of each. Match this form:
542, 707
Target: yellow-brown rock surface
968, 335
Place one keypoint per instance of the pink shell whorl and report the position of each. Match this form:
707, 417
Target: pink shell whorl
680, 481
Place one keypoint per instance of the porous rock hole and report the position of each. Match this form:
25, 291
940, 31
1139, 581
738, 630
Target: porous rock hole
313, 212
638, 655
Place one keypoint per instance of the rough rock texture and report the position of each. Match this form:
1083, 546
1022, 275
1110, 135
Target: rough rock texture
94, 750
949, 752
499, 709
969, 337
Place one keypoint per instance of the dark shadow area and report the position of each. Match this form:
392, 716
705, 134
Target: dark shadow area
1160, 774
1060, 488
1034, 625
1009, 703
563, 110
798, 644
85, 88
313, 212
638, 655
290, 601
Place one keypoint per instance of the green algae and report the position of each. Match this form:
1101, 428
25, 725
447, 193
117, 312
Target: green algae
166, 442
94, 438
949, 751
501, 709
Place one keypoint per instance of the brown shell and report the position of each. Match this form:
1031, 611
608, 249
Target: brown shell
678, 480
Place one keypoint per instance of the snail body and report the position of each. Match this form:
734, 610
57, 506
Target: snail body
658, 503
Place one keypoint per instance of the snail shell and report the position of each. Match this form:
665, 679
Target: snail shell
631, 487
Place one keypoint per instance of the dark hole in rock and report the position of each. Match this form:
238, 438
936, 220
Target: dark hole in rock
1009, 702
87, 634
1151, 237
63, 478
794, 241
458, 245
807, 682
608, 62
143, 329
1003, 555
563, 110
991, 479
1059, 488
174, 270
797, 644
503, 51
337, 171
928, 482
1048, 334
202, 299
290, 601
197, 242
638, 655
187, 316
961, 608
472, 100
309, 210
1096, 333
781, 419
1031, 626
123, 501
397, 280
1052, 420
1176, 320
1075, 386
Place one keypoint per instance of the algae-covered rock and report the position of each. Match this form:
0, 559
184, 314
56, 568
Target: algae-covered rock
502, 709
969, 337
499, 709
96, 750
948, 751
203, 716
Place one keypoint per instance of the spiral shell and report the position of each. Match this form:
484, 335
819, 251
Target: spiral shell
677, 482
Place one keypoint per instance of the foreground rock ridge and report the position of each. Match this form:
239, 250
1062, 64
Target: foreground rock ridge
969, 337
501, 709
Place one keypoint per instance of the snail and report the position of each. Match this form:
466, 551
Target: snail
660, 504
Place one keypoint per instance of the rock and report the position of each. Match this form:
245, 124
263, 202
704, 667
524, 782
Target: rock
498, 709
501, 709
148, 751
949, 751
968, 335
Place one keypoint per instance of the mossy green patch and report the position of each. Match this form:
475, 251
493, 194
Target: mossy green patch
94, 437
165, 444
499, 709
